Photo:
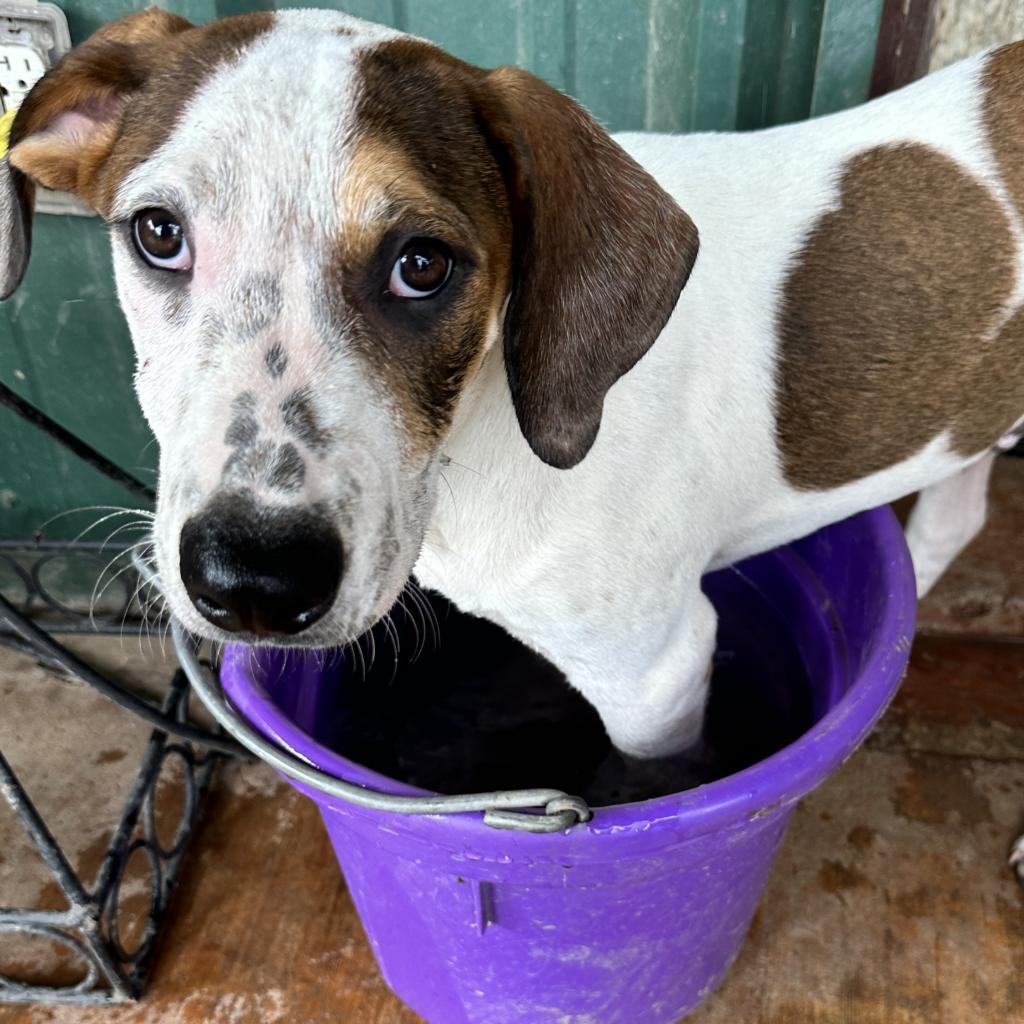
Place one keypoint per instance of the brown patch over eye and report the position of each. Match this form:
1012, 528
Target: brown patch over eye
415, 309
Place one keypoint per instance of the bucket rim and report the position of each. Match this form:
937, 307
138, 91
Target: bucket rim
759, 791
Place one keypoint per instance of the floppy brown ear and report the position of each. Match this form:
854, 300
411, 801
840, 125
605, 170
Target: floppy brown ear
16, 198
66, 127
600, 254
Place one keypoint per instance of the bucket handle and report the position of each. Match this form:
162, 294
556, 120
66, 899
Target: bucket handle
502, 809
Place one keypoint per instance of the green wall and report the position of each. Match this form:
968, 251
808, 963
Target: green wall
661, 65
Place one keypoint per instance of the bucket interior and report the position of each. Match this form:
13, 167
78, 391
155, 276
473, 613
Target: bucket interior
458, 705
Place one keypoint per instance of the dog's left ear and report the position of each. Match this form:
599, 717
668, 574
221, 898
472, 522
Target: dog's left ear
600, 255
66, 127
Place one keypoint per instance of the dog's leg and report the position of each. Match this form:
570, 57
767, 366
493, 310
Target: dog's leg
946, 518
660, 711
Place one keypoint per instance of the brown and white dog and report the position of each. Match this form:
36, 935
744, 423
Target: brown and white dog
424, 267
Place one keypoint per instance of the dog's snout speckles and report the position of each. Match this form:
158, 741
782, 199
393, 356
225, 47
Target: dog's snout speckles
301, 420
243, 435
255, 457
211, 334
276, 361
256, 304
287, 470
245, 464
243, 429
213, 330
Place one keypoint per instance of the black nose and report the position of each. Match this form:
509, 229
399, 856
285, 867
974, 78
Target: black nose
260, 571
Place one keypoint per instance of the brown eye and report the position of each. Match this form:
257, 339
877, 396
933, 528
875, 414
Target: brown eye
160, 239
421, 270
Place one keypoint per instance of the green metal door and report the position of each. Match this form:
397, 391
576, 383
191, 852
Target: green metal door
658, 65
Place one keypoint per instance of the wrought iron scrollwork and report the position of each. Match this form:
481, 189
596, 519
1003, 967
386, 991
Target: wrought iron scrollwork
32, 611
91, 927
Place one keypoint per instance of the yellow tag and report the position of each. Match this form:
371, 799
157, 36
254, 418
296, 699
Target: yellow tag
5, 130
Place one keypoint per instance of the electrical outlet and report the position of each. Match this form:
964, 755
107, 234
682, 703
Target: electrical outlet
33, 37
21, 65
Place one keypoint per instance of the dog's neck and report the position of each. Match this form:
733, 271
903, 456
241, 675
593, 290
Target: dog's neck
494, 496
485, 453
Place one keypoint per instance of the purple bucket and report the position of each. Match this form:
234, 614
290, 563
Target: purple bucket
636, 916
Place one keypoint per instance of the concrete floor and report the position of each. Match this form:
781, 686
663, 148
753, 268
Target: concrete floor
890, 902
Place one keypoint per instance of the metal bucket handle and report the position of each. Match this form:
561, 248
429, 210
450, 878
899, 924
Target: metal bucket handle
501, 809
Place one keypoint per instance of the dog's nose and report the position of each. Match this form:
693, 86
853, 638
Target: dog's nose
250, 570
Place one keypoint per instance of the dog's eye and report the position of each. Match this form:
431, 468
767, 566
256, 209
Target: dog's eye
421, 270
160, 239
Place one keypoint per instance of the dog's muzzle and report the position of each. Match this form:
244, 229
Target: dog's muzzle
260, 571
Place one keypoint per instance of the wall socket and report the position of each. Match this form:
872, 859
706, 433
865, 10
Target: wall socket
33, 37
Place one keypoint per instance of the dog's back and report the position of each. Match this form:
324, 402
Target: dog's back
870, 262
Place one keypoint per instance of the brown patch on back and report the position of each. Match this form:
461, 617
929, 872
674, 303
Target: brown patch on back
151, 25
133, 77
888, 324
1003, 85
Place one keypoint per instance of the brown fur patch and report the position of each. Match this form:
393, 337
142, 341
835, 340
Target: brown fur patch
382, 184
540, 186
151, 25
133, 77
889, 322
420, 168
61, 163
1003, 85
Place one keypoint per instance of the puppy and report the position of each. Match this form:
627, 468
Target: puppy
433, 319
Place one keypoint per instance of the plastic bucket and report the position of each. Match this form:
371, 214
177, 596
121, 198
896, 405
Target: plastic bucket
635, 916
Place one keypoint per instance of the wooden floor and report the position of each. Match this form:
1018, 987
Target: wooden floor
890, 902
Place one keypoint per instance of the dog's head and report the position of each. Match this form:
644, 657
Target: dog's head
311, 286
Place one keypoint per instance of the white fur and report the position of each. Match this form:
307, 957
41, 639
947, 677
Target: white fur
947, 517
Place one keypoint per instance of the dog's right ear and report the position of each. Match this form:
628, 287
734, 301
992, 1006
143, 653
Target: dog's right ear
66, 127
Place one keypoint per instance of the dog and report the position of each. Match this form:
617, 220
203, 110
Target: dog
433, 320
